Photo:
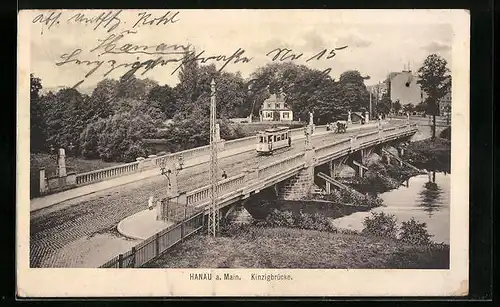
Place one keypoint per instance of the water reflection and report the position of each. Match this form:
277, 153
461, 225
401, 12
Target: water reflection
431, 195
423, 197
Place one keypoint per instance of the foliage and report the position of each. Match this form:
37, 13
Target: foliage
381, 225
413, 232
67, 114
305, 89
435, 81
37, 122
384, 105
446, 134
117, 138
277, 218
409, 108
347, 197
421, 107
397, 106
353, 91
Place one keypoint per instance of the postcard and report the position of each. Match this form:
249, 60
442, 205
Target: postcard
179, 153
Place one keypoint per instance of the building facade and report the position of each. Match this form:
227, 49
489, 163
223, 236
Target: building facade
404, 87
275, 109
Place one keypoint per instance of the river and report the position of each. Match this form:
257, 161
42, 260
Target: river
419, 198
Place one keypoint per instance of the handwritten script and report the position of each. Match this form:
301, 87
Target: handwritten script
106, 55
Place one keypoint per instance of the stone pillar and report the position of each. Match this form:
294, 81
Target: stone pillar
367, 117
159, 210
349, 119
61, 163
299, 186
151, 202
217, 132
43, 186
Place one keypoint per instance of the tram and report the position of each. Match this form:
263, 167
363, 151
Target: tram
273, 139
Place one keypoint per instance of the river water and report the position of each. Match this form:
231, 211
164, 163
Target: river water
424, 197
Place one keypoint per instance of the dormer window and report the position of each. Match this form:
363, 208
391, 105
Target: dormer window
269, 105
277, 106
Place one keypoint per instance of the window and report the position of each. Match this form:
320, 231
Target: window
275, 138
277, 105
269, 105
270, 138
261, 140
285, 115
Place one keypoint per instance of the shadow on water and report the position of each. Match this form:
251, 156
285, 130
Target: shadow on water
431, 195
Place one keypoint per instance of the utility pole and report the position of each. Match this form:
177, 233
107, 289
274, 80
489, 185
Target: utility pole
370, 104
213, 216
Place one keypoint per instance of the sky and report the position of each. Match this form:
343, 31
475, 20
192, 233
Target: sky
378, 42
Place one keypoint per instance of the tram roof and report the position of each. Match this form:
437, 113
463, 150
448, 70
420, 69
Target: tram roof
277, 129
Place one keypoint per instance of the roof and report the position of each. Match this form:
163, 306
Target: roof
271, 109
277, 129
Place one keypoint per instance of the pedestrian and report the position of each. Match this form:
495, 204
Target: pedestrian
224, 175
289, 141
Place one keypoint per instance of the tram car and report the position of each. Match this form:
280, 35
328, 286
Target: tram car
270, 140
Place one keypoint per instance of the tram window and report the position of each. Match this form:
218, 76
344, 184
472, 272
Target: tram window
261, 139
278, 138
274, 138
270, 138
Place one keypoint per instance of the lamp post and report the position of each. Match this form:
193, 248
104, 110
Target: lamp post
370, 114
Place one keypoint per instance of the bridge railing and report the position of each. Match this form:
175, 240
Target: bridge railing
203, 193
281, 165
133, 167
337, 146
101, 174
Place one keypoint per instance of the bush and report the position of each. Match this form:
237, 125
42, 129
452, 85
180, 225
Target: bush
415, 233
381, 225
446, 134
117, 138
277, 218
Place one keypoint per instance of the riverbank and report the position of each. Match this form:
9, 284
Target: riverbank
433, 154
252, 246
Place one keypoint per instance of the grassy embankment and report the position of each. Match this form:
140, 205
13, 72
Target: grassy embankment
280, 247
288, 240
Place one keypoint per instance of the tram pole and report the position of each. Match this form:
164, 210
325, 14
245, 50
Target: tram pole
213, 217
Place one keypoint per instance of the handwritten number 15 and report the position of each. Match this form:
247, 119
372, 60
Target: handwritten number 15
320, 54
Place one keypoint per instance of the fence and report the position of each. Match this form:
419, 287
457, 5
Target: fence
158, 244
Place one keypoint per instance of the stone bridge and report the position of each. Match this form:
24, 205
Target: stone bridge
293, 177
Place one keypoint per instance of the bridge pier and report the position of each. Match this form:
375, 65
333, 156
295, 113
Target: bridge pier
299, 186
334, 167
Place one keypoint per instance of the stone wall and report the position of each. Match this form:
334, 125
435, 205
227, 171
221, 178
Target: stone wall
297, 187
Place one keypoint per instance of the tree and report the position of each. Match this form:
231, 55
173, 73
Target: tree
67, 114
165, 98
435, 81
102, 98
384, 105
397, 106
408, 108
353, 91
37, 117
118, 137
